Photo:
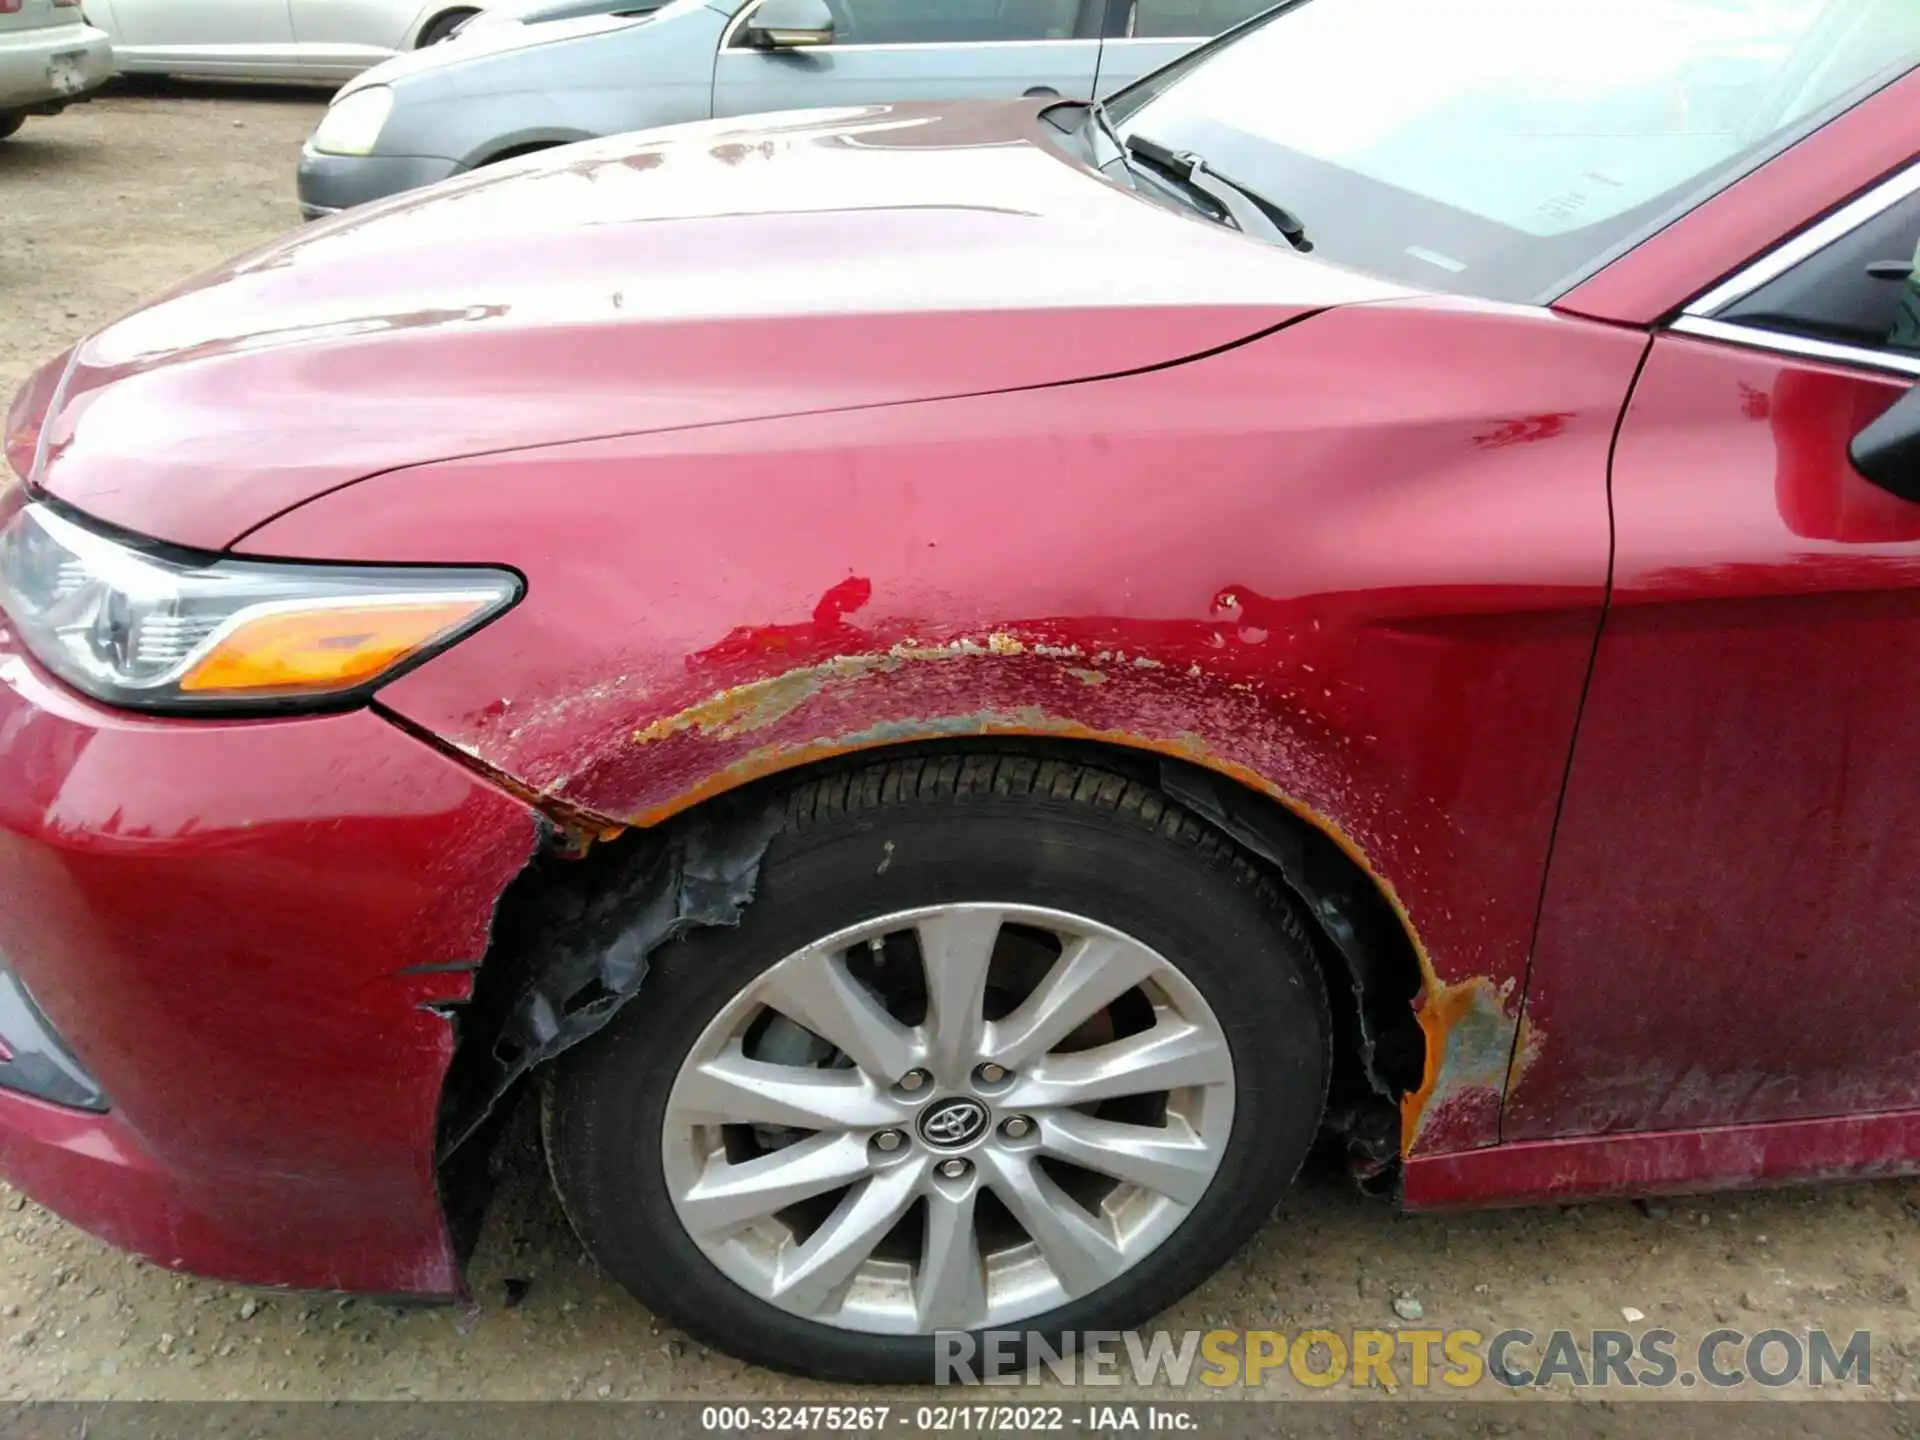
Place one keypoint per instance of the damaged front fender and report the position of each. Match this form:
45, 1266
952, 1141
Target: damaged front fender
1374, 605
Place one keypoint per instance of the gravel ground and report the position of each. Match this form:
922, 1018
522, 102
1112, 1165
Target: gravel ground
112, 202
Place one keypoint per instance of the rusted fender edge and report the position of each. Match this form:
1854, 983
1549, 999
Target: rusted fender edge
1470, 1026
706, 869
1479, 1044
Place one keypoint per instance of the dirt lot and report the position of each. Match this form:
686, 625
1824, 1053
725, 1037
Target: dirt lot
108, 204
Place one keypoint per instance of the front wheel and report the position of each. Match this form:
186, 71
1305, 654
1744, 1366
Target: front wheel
1001, 1043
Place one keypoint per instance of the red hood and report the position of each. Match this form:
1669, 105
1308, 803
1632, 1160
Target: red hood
709, 273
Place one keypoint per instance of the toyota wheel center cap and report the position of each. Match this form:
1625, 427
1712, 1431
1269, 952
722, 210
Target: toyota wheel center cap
952, 1123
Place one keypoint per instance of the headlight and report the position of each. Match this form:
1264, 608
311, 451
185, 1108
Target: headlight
151, 629
352, 123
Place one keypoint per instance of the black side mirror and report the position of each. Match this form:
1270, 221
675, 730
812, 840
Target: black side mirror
1887, 452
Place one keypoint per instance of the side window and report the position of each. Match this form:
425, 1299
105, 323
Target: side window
1862, 290
945, 22
1190, 19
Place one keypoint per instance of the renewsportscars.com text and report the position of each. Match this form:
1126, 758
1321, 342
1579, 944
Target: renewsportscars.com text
1395, 1360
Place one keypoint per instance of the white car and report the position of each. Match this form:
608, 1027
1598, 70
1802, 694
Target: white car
49, 58
272, 39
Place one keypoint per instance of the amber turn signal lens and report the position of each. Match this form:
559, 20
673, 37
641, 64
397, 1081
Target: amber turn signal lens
327, 649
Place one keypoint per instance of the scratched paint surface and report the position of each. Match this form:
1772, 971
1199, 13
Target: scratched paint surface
1373, 604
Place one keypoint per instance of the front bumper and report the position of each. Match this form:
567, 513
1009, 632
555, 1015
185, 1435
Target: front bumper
328, 184
42, 70
246, 933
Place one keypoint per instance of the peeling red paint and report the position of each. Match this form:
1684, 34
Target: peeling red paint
728, 714
827, 633
1525, 430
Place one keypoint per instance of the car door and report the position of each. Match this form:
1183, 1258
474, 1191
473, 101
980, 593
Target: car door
205, 30
1728, 929
1143, 35
887, 50
348, 36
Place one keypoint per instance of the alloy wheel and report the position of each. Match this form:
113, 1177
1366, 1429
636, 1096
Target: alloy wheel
948, 1118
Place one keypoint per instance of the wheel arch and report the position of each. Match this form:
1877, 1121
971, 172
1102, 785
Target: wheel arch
525, 147
1365, 946
435, 16
500, 148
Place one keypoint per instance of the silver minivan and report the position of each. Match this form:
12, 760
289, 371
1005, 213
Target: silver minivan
504, 90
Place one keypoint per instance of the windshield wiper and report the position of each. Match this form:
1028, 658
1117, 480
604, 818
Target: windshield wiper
1248, 209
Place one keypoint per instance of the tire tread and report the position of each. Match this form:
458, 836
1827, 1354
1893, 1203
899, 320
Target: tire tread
869, 792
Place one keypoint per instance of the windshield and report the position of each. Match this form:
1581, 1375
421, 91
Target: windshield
1506, 148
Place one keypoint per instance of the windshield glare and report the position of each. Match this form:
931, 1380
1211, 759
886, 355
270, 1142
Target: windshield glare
1504, 148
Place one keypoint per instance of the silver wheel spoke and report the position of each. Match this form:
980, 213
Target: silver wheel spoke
1173, 1162
729, 1196
1170, 1056
816, 989
814, 1134
1080, 1251
811, 1272
957, 948
951, 1290
733, 1089
1092, 972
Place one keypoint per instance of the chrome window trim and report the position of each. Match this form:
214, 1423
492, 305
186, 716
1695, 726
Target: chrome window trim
1799, 346
729, 39
1699, 318
1808, 243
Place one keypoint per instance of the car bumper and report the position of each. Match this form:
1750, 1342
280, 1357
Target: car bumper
42, 70
328, 184
246, 936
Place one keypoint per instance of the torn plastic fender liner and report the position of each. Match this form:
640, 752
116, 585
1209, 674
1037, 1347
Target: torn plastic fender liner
593, 948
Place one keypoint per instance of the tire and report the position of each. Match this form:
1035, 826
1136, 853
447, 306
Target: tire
1135, 880
441, 26
10, 125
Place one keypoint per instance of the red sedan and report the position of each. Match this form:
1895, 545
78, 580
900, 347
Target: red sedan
949, 687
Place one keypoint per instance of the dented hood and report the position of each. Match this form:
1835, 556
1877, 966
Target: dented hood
704, 274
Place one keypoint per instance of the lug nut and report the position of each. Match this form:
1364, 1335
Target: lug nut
914, 1080
991, 1074
1017, 1127
953, 1169
889, 1140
